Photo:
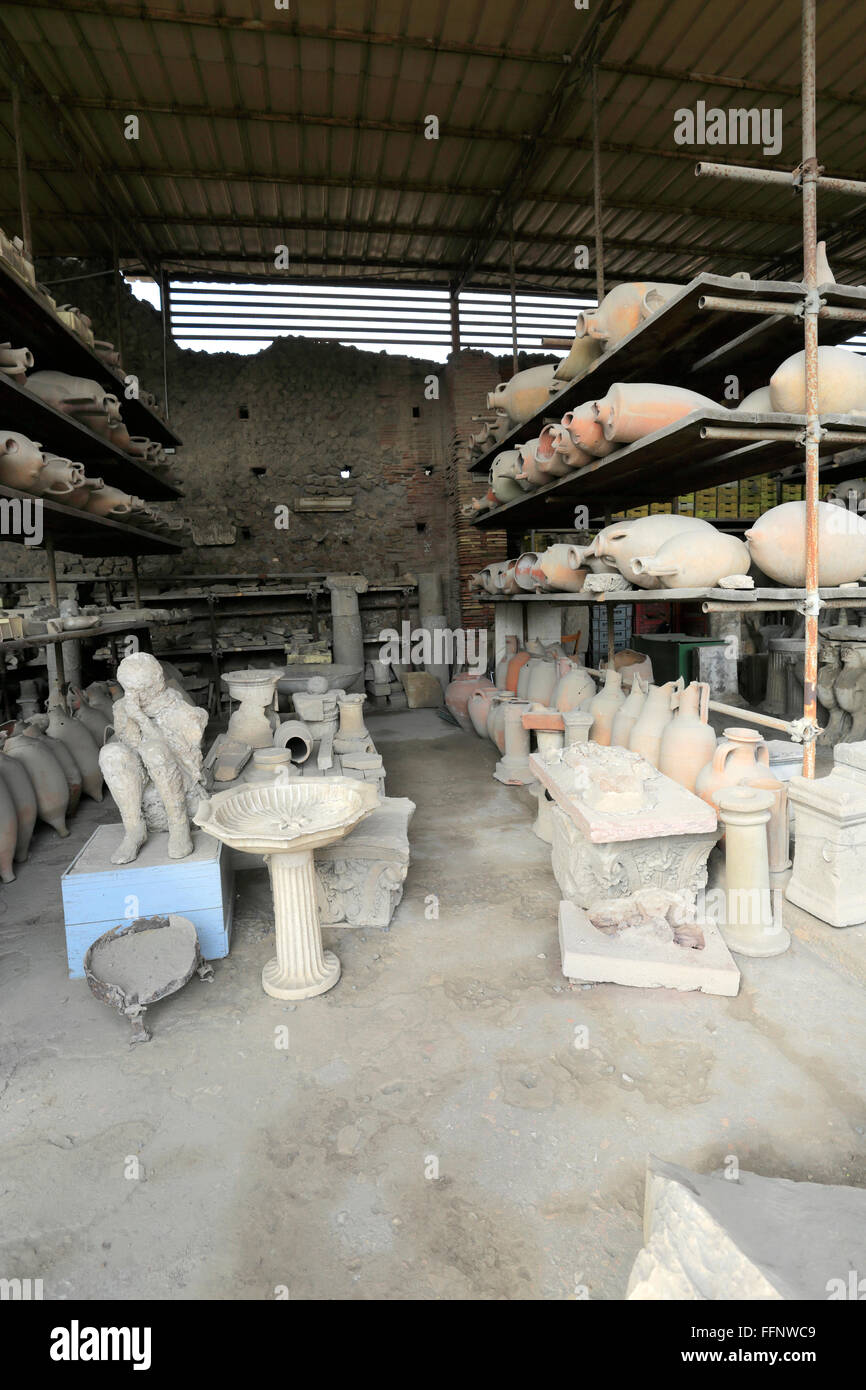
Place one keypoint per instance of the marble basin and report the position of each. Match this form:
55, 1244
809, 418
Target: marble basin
285, 821
295, 676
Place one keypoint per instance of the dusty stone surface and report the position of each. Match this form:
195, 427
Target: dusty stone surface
831, 839
710, 1237
642, 958
452, 1034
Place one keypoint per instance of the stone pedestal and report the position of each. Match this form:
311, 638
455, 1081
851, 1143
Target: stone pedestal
347, 632
830, 846
301, 969
352, 736
578, 723
749, 927
620, 825
513, 768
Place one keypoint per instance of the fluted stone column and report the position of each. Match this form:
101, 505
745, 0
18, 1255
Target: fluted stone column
301, 969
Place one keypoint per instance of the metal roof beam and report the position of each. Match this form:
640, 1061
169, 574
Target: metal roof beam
684, 76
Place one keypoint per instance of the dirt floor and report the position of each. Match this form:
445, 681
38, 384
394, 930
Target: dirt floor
431, 1131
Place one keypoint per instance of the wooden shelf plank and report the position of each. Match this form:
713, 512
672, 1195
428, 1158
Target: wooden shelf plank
682, 345
26, 320
81, 533
664, 465
60, 434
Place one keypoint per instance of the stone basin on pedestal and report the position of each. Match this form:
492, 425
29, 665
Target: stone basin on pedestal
286, 821
252, 722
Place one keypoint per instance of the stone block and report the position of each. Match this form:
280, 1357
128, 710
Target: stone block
639, 959
423, 691
830, 843
755, 1238
360, 879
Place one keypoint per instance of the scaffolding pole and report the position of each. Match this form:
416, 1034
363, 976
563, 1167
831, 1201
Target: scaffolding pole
809, 179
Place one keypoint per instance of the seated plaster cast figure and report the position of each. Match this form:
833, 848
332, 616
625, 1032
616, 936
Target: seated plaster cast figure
153, 764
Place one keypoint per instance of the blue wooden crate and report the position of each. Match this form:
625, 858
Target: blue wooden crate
99, 895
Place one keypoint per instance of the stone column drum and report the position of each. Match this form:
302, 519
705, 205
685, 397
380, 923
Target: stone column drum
347, 632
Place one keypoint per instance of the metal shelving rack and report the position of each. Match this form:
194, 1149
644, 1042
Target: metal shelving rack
737, 446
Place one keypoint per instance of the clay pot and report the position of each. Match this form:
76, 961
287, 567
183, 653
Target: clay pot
630, 664
74, 395
569, 455
622, 311
627, 715
841, 383
643, 536
777, 544
531, 473
109, 501
584, 353
694, 560
501, 670
80, 496
603, 707
574, 687
17, 781
47, 776
20, 461
633, 409
504, 476
656, 714
586, 432
757, 402
107, 353
59, 479
688, 742
525, 394
478, 708
458, 692
560, 565
741, 758
94, 718
15, 362
499, 702
516, 664
81, 744
506, 581
72, 772
543, 676
523, 570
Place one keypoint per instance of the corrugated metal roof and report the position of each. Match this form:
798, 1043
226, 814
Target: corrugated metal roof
305, 127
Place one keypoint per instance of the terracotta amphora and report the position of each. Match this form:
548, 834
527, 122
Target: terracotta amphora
8, 833
21, 461
656, 714
504, 476
584, 353
47, 776
543, 676
499, 702
19, 786
478, 708
81, 744
622, 310
531, 474
94, 716
568, 454
633, 409
741, 757
777, 544
626, 716
841, 383
501, 670
688, 742
604, 705
60, 479
630, 663
586, 432
525, 394
757, 402
574, 687
523, 570
643, 536
15, 362
561, 567
72, 395
109, 501
694, 560
457, 695
35, 729
516, 664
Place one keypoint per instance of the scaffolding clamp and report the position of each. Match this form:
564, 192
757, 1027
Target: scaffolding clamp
811, 606
814, 432
804, 730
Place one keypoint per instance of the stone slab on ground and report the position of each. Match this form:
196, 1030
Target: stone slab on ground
590, 955
422, 690
756, 1238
